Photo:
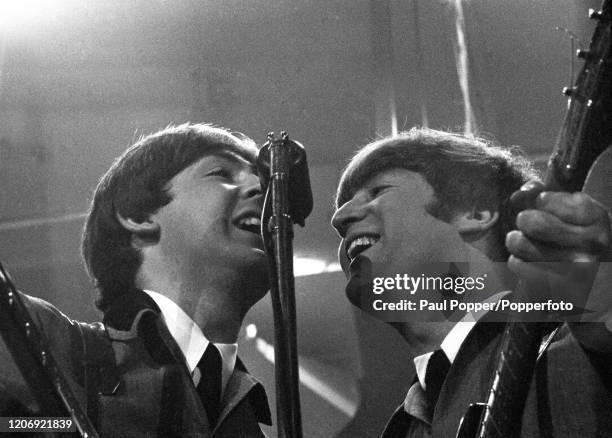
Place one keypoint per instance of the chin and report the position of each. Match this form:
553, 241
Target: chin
259, 251
246, 256
253, 266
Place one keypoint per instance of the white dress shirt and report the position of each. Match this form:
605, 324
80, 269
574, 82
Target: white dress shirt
454, 339
191, 340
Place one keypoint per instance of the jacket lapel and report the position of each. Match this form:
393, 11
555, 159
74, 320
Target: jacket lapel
136, 315
242, 385
468, 378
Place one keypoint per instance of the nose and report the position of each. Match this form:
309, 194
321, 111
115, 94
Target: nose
351, 211
251, 186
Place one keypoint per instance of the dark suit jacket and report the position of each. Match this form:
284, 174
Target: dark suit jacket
570, 394
131, 376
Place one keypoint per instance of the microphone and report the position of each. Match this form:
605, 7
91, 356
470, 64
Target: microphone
283, 174
299, 190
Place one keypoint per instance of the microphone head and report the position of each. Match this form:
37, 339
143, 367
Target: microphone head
300, 192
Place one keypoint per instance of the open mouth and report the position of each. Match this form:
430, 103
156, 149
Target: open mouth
250, 223
360, 244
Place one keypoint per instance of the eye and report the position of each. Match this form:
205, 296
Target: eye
377, 190
220, 171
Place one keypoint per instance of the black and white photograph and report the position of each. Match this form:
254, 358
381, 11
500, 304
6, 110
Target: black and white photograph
306, 218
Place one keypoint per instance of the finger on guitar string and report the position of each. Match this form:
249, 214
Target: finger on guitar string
575, 208
548, 230
524, 198
530, 250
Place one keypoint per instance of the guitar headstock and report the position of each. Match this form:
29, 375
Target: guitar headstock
587, 130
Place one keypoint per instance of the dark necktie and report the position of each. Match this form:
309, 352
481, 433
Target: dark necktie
437, 369
209, 388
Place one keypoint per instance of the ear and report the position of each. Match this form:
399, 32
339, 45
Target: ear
475, 223
143, 233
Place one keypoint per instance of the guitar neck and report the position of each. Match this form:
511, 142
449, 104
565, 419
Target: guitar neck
35, 360
585, 134
516, 363
587, 128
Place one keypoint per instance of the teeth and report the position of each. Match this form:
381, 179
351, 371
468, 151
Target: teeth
359, 245
250, 224
250, 221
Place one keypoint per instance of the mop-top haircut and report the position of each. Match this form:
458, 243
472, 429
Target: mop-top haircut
136, 186
465, 172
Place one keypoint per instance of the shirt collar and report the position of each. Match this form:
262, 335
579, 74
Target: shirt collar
125, 308
190, 338
454, 338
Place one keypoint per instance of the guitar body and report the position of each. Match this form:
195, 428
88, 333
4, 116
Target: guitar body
599, 180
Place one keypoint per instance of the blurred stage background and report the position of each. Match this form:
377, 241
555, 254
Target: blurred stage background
81, 80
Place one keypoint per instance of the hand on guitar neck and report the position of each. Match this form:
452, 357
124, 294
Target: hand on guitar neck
562, 248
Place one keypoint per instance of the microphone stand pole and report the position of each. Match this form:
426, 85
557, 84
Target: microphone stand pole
277, 233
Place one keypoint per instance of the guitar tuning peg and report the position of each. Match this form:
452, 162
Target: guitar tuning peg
569, 91
594, 15
582, 54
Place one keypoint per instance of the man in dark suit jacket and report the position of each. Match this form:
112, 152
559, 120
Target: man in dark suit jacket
433, 206
172, 241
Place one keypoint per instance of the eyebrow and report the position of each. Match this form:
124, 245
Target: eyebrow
356, 183
236, 158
